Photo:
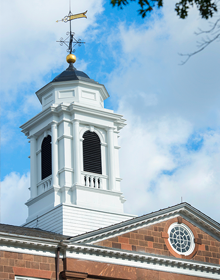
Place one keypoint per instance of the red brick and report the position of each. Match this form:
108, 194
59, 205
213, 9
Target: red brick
20, 263
206, 254
20, 256
157, 246
52, 260
126, 247
37, 258
52, 267
150, 244
3, 261
126, 235
11, 276
133, 241
11, 255
198, 258
116, 245
44, 266
157, 233
107, 244
28, 264
164, 235
1, 254
142, 243
44, 259
1, 268
212, 260
11, 262
213, 249
140, 249
143, 231
35, 265
3, 275
134, 248
113, 239
123, 240
28, 257
149, 238
8, 269
202, 247
139, 236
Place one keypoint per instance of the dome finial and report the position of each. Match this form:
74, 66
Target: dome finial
71, 58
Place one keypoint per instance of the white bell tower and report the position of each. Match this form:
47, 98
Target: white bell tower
75, 180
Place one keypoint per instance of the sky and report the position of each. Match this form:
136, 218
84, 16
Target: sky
170, 148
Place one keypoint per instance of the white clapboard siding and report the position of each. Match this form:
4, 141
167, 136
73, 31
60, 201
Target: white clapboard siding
73, 220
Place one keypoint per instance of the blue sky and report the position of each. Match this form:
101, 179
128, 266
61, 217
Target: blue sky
171, 144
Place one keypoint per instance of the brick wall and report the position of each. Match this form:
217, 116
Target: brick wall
16, 264
150, 240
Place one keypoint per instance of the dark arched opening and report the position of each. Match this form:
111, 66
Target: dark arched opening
46, 158
92, 153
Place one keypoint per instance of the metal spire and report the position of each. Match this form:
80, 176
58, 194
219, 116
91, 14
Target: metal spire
70, 40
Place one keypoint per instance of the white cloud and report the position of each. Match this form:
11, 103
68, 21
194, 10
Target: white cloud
29, 33
14, 195
167, 107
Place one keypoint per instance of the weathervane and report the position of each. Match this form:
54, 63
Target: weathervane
71, 41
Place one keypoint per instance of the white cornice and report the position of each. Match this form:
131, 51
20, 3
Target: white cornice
143, 260
28, 240
47, 247
72, 108
146, 220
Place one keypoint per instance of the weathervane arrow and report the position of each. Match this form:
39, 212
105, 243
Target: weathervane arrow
71, 17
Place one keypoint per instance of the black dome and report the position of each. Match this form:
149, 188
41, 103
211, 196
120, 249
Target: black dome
70, 74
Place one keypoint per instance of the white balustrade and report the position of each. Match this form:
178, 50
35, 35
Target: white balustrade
93, 180
44, 185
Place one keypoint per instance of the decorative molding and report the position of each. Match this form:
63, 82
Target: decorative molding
65, 136
68, 169
142, 260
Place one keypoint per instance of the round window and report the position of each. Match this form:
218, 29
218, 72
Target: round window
181, 239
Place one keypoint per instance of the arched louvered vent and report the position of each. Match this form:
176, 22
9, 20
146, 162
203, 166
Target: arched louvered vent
92, 153
46, 158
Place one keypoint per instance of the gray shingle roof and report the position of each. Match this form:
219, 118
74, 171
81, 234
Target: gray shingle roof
34, 232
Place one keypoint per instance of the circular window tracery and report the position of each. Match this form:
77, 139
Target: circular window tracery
181, 239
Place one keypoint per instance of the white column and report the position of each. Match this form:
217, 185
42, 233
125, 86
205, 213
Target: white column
54, 154
111, 159
76, 156
33, 167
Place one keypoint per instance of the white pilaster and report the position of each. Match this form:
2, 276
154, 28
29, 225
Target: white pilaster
54, 154
76, 152
33, 143
111, 159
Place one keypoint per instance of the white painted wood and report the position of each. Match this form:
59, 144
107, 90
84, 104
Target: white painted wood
111, 158
54, 155
76, 151
73, 220
33, 167
69, 109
